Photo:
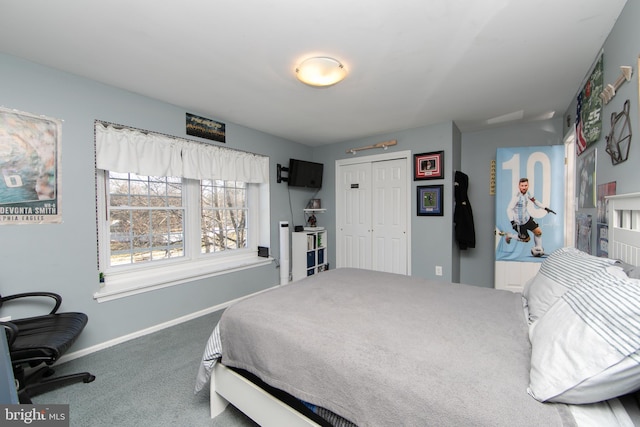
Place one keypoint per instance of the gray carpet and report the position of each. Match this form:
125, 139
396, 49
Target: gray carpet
148, 381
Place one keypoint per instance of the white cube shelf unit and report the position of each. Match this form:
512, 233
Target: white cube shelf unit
308, 253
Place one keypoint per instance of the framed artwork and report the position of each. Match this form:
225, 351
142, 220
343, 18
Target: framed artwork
586, 188
314, 204
205, 128
30, 173
602, 221
430, 200
428, 165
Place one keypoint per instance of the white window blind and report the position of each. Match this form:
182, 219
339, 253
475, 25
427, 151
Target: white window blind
122, 149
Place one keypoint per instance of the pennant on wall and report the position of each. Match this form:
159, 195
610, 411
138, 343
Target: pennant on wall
589, 110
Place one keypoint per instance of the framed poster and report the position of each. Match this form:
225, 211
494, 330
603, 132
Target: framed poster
428, 165
430, 200
586, 188
529, 202
30, 168
205, 128
602, 219
584, 224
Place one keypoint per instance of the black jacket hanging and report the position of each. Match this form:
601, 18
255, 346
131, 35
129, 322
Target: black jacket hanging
463, 214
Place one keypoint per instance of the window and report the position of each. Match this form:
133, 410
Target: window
223, 215
156, 231
146, 219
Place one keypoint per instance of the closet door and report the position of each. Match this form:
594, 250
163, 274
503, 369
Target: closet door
372, 218
389, 217
353, 201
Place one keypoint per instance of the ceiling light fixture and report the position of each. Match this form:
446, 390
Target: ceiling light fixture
321, 71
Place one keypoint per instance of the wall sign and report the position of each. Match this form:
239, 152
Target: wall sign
205, 128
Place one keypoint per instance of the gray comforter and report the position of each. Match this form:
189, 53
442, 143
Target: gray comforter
387, 350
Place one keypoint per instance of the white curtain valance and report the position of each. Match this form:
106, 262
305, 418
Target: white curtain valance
147, 153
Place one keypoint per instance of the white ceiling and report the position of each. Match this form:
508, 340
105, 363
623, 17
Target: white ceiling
411, 63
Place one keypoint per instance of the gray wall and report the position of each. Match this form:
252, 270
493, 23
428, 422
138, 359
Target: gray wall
62, 257
478, 149
432, 242
621, 48
470, 153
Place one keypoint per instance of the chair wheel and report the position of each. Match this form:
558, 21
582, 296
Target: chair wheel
89, 379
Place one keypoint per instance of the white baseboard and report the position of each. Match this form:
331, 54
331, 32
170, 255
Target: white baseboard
86, 351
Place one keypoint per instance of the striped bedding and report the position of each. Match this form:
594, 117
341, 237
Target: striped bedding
560, 272
610, 310
586, 344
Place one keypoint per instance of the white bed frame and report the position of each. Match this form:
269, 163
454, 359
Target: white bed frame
624, 227
229, 387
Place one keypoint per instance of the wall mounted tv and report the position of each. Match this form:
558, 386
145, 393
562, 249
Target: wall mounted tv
305, 174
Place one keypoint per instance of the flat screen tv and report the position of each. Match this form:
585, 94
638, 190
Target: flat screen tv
305, 174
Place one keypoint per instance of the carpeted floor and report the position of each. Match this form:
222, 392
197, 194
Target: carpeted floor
145, 382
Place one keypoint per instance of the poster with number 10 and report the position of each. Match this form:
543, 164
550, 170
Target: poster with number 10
529, 202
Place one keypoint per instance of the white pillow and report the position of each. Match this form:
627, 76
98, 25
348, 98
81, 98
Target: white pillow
634, 273
630, 270
561, 271
586, 348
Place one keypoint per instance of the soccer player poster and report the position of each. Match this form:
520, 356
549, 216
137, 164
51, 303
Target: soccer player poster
529, 202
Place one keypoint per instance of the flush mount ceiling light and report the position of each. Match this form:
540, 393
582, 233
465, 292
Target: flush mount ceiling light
320, 71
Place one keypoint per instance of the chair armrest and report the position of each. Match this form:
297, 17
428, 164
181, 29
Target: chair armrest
11, 331
56, 297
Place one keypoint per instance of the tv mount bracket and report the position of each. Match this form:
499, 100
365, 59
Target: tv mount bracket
280, 178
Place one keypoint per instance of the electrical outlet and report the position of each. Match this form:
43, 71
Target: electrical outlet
438, 270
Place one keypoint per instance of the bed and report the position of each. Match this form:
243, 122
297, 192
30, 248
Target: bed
357, 347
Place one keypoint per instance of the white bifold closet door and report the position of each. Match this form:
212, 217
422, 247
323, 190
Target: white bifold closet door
372, 215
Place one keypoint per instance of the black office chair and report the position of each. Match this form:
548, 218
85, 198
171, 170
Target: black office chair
42, 339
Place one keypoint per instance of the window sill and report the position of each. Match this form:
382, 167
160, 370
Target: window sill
124, 284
